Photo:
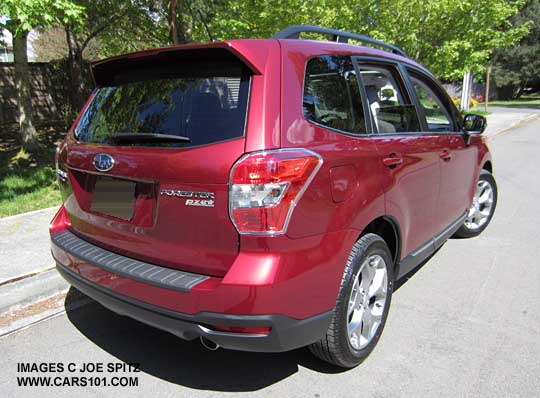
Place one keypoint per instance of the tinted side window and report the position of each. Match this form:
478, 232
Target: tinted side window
390, 108
435, 112
332, 95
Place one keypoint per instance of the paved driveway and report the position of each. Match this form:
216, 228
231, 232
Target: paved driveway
466, 324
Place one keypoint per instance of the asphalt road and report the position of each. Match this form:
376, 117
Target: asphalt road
465, 324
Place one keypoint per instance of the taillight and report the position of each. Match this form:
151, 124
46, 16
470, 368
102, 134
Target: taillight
265, 186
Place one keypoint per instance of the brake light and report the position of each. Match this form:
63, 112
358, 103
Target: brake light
265, 187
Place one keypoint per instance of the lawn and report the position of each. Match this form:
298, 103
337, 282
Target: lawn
477, 111
27, 182
526, 101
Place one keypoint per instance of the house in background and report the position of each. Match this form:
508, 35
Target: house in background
6, 46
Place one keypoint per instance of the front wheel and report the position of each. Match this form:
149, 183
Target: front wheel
362, 304
482, 209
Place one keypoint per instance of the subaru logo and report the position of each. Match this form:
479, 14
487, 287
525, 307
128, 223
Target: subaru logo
103, 162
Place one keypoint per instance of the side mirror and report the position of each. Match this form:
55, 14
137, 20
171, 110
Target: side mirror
474, 124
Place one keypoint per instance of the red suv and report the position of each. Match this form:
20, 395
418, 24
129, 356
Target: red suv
264, 195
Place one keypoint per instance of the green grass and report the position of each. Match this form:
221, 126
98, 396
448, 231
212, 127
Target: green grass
478, 112
531, 101
26, 191
27, 182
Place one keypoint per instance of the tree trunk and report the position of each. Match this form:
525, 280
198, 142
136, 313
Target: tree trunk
185, 33
173, 21
29, 139
180, 22
75, 63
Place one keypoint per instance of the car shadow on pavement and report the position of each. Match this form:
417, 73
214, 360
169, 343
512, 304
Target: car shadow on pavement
186, 363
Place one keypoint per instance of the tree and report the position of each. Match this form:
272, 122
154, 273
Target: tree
517, 68
22, 17
187, 20
125, 20
450, 37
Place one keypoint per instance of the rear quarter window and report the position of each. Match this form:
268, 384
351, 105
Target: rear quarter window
332, 95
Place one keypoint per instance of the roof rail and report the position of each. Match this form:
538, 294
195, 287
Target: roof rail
340, 36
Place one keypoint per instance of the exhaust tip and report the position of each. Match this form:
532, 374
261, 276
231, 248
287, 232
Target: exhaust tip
209, 344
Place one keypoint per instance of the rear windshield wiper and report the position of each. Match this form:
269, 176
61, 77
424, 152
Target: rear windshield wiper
148, 137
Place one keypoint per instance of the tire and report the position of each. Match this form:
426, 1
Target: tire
480, 213
337, 347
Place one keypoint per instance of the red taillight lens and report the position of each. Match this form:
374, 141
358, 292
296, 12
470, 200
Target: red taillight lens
265, 187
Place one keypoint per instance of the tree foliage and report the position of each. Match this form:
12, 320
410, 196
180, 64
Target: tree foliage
517, 68
449, 36
24, 15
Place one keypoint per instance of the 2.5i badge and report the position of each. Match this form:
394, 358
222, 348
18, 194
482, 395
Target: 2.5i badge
204, 199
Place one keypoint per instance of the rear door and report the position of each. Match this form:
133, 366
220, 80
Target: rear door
408, 157
457, 159
149, 161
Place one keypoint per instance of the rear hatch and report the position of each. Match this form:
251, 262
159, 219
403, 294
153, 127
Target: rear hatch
149, 159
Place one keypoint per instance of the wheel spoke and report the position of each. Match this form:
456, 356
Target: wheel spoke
367, 324
378, 286
355, 295
356, 322
487, 196
368, 273
479, 190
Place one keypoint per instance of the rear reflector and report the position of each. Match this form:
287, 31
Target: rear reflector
265, 187
241, 329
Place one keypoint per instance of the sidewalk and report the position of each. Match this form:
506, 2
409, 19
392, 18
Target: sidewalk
502, 119
24, 244
27, 274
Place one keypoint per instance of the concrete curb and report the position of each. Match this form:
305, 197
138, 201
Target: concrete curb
30, 290
28, 213
26, 322
529, 118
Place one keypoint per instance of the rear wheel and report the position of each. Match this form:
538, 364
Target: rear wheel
362, 305
481, 211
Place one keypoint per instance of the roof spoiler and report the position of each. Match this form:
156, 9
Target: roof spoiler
105, 72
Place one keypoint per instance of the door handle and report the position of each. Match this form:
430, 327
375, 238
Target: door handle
393, 161
445, 155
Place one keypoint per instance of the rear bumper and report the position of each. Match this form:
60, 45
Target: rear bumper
286, 287
285, 333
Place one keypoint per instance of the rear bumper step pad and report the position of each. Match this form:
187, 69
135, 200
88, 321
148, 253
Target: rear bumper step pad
125, 266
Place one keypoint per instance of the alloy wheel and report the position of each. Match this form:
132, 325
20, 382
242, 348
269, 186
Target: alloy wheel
367, 301
482, 206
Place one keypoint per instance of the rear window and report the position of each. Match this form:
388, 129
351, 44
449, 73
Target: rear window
204, 109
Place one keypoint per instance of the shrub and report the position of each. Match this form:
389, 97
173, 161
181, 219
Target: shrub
457, 102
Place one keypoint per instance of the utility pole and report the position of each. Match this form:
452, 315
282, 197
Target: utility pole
486, 99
